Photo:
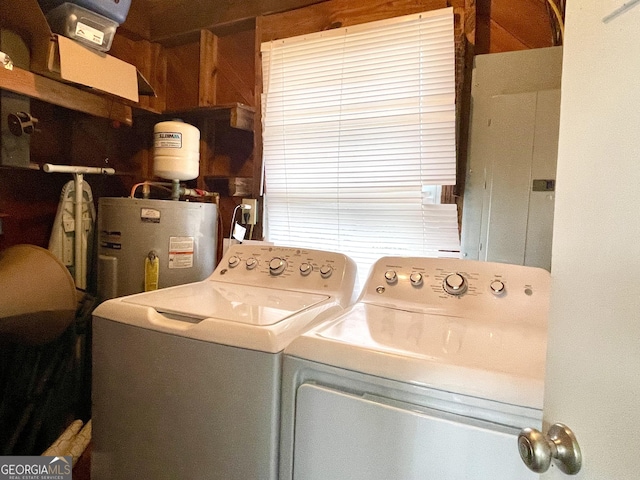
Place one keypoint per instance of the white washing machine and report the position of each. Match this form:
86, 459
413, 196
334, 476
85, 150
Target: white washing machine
430, 375
186, 379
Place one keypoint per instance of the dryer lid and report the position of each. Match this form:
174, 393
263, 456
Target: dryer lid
492, 360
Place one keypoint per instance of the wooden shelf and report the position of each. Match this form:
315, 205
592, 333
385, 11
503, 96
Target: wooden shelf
64, 95
26, 83
238, 115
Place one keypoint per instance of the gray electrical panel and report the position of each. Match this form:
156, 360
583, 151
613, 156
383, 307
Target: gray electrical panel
509, 192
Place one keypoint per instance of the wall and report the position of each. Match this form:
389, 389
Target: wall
214, 66
29, 197
502, 25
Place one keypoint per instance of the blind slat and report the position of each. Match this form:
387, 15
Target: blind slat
358, 131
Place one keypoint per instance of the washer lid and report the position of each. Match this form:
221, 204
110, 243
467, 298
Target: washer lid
501, 361
236, 303
256, 318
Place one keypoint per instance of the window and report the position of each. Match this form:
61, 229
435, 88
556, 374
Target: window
359, 136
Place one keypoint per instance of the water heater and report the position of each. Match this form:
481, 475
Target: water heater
147, 244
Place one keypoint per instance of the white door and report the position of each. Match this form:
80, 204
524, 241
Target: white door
593, 376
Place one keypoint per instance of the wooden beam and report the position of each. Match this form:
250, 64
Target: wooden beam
64, 95
241, 117
339, 13
238, 115
175, 19
208, 69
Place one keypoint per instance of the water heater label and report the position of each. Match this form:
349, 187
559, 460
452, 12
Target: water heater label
181, 252
150, 215
112, 240
168, 140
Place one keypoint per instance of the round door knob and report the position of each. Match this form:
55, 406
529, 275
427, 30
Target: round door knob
497, 287
416, 279
560, 444
455, 284
326, 271
305, 269
390, 276
251, 263
234, 261
277, 265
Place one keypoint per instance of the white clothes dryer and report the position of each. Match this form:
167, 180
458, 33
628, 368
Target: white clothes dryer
430, 375
186, 379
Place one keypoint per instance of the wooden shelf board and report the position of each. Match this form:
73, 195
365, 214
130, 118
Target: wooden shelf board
64, 95
48, 90
240, 116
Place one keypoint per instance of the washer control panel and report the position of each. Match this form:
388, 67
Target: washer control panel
459, 287
286, 268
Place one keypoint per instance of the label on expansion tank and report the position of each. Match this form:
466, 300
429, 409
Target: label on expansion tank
181, 252
168, 140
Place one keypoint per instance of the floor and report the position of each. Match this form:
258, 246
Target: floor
82, 469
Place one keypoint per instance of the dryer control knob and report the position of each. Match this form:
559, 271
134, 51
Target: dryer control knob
455, 284
277, 265
234, 261
251, 263
416, 279
390, 276
305, 269
326, 271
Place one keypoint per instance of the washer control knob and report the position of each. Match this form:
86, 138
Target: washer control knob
326, 271
234, 261
277, 265
305, 269
497, 287
251, 263
455, 284
416, 279
390, 276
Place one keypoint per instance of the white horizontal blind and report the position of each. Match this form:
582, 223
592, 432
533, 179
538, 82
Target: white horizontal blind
358, 123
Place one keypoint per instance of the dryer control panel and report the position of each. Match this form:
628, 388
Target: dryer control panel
287, 268
459, 287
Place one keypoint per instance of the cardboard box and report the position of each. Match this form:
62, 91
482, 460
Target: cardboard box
61, 58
